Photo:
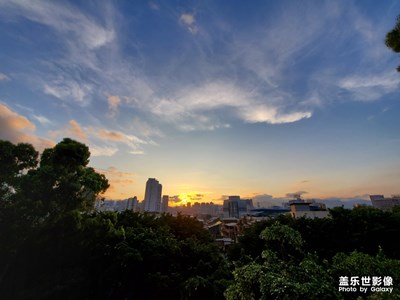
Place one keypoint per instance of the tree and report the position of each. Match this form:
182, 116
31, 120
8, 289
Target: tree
32, 196
284, 272
14, 161
111, 255
364, 265
63, 182
392, 40
282, 241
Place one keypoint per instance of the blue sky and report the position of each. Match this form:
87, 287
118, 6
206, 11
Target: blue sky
213, 98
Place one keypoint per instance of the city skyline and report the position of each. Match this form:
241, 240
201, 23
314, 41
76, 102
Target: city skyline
259, 100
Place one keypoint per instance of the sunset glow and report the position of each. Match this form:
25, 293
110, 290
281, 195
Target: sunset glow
258, 100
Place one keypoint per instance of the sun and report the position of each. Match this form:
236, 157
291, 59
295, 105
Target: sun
184, 197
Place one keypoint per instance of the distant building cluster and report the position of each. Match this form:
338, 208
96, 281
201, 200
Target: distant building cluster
300, 208
379, 201
202, 210
120, 205
234, 207
226, 222
152, 203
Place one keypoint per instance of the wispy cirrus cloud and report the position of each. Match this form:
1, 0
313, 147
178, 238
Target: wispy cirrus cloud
185, 105
65, 19
195, 106
369, 87
104, 150
101, 141
133, 142
82, 37
253, 77
113, 104
70, 89
42, 120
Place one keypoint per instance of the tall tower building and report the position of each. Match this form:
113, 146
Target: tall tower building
131, 203
164, 204
152, 196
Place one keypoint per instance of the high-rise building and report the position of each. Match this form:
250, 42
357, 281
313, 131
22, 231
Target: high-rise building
164, 204
379, 201
235, 207
152, 196
131, 203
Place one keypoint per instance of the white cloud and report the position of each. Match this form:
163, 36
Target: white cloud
190, 22
104, 142
113, 104
136, 152
261, 114
65, 19
96, 150
370, 87
133, 142
82, 37
194, 108
3, 77
247, 77
42, 120
188, 19
79, 92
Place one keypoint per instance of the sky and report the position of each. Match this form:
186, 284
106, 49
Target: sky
213, 98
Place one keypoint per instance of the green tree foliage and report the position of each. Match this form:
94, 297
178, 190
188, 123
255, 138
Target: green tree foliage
364, 229
118, 256
277, 275
63, 182
14, 161
283, 272
32, 195
361, 264
282, 242
392, 40
53, 246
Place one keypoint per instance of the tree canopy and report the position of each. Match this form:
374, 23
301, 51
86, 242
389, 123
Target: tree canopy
61, 182
392, 40
34, 194
53, 245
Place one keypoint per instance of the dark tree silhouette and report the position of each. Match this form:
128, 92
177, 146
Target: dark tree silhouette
392, 40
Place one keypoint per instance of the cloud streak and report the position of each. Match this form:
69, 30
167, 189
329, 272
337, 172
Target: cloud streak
225, 75
101, 141
65, 19
370, 87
